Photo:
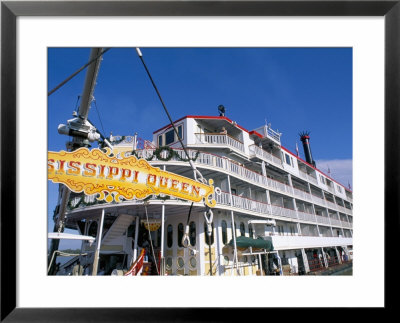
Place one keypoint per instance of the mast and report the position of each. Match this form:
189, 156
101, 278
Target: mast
82, 132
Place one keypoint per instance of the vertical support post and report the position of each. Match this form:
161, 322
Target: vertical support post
324, 256
338, 255
162, 232
305, 260
135, 251
96, 255
233, 226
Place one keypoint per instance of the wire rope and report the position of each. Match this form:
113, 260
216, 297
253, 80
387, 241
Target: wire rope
195, 170
77, 72
151, 241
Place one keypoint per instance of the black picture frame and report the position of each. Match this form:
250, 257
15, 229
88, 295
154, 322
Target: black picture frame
10, 10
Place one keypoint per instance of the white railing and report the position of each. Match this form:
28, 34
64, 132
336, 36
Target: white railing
308, 177
246, 174
341, 208
243, 203
336, 222
322, 219
219, 139
223, 198
306, 216
254, 150
302, 194
331, 204
346, 224
281, 211
348, 211
318, 200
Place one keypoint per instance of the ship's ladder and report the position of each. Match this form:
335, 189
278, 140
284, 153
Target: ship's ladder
118, 228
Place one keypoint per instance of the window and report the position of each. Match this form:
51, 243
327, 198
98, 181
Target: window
250, 231
170, 136
169, 235
287, 157
180, 129
206, 235
160, 143
180, 234
339, 188
242, 229
224, 232
180, 262
322, 179
192, 233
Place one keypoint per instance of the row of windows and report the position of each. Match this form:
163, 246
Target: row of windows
224, 229
170, 136
192, 234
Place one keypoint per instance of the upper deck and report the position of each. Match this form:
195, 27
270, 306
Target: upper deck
222, 136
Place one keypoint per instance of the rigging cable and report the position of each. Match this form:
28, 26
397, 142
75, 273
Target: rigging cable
98, 114
195, 170
77, 72
151, 241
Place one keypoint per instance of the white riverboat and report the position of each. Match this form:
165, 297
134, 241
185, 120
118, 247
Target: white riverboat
276, 214
266, 192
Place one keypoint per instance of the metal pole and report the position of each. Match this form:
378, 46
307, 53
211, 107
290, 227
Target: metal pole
135, 251
162, 235
58, 227
96, 255
233, 224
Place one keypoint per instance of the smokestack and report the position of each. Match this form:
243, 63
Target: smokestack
305, 138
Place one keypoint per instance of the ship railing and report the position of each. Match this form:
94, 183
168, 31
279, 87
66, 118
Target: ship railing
234, 168
243, 203
306, 216
346, 224
322, 219
336, 222
219, 139
331, 204
308, 177
255, 150
303, 194
348, 211
341, 208
318, 200
315, 264
282, 211
223, 198
332, 261
237, 169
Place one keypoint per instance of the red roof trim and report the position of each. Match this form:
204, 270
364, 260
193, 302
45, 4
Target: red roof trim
202, 117
253, 132
285, 149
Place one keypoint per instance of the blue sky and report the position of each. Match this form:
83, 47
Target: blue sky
294, 89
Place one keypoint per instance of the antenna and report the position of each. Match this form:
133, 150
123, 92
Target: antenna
221, 110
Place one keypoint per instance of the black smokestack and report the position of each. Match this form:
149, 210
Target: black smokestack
305, 138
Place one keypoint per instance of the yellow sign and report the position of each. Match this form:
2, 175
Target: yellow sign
93, 171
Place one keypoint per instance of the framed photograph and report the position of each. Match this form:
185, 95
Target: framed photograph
43, 40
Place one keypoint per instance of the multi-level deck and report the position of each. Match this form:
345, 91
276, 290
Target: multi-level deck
259, 179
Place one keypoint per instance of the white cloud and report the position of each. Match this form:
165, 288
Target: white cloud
341, 170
